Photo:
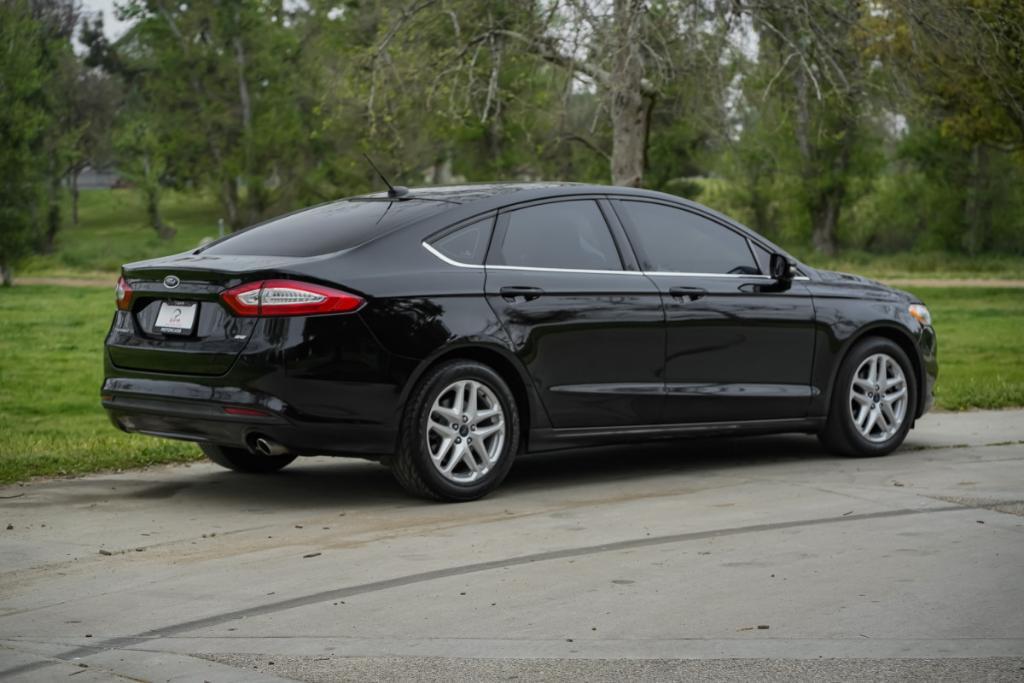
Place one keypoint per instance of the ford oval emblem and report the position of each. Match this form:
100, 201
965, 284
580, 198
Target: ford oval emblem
171, 281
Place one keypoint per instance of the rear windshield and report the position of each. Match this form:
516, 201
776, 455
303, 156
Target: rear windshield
324, 229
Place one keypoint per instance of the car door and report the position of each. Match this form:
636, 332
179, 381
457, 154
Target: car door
739, 346
587, 325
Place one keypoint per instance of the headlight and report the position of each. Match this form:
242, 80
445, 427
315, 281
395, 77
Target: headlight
920, 314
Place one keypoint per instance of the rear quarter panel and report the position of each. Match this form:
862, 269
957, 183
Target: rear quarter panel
420, 309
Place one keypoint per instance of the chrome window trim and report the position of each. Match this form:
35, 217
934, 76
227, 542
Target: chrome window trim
539, 269
449, 261
756, 276
459, 264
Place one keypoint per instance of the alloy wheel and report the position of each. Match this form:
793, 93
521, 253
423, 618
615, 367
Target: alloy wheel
465, 431
878, 397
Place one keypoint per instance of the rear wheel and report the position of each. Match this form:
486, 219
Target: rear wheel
873, 400
459, 433
241, 460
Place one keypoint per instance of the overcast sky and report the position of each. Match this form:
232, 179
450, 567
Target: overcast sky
111, 26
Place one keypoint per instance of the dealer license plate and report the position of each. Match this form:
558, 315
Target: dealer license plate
176, 318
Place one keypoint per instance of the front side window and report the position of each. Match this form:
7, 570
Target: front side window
676, 241
568, 235
764, 258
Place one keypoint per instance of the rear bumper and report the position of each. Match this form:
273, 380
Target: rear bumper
321, 385
207, 422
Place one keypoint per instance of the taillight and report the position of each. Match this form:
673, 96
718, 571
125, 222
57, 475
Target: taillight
288, 297
123, 294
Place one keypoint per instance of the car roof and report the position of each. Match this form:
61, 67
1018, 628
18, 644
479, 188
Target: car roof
376, 218
515, 192
473, 199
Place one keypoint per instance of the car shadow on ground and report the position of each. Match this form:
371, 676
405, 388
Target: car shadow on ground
341, 483
636, 461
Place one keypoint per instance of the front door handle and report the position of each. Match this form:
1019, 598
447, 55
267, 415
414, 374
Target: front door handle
687, 293
528, 293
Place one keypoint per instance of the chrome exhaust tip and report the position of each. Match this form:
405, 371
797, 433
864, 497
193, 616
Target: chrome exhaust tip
265, 446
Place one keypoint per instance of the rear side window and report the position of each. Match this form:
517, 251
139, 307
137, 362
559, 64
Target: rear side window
467, 244
677, 241
569, 234
324, 229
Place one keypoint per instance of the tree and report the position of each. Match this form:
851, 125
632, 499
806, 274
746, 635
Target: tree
144, 161
24, 121
614, 51
92, 103
961, 65
621, 49
816, 50
227, 76
967, 57
57, 20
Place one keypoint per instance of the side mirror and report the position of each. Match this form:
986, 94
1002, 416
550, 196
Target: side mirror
780, 268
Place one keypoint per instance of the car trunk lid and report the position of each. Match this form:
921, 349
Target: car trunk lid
176, 321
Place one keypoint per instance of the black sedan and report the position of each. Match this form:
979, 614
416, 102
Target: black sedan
445, 330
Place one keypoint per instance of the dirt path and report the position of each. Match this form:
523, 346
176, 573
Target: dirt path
95, 281
944, 282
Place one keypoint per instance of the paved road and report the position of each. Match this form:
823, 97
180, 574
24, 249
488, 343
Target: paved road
720, 559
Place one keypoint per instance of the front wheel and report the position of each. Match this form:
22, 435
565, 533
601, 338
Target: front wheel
873, 400
459, 434
241, 460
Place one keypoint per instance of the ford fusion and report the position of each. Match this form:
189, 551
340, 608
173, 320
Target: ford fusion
444, 331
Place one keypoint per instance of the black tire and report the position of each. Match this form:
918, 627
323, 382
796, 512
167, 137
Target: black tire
841, 434
241, 460
412, 465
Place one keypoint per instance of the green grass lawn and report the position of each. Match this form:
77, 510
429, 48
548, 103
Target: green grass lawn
932, 265
112, 231
51, 341
981, 354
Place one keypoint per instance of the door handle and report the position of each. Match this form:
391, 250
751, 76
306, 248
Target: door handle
687, 293
528, 293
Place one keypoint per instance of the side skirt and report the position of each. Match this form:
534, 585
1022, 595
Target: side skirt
554, 439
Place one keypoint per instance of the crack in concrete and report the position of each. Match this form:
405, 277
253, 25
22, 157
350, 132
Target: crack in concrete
462, 570
1008, 507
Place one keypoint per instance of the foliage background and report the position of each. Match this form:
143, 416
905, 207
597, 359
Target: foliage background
830, 126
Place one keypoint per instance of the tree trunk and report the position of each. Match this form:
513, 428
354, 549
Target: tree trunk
73, 182
6, 275
824, 170
156, 221
151, 190
825, 218
52, 211
629, 106
229, 198
256, 200
441, 173
762, 208
976, 204
831, 195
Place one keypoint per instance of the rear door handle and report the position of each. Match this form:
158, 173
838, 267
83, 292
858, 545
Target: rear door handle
528, 293
687, 293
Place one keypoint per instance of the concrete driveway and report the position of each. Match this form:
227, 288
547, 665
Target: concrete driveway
722, 559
